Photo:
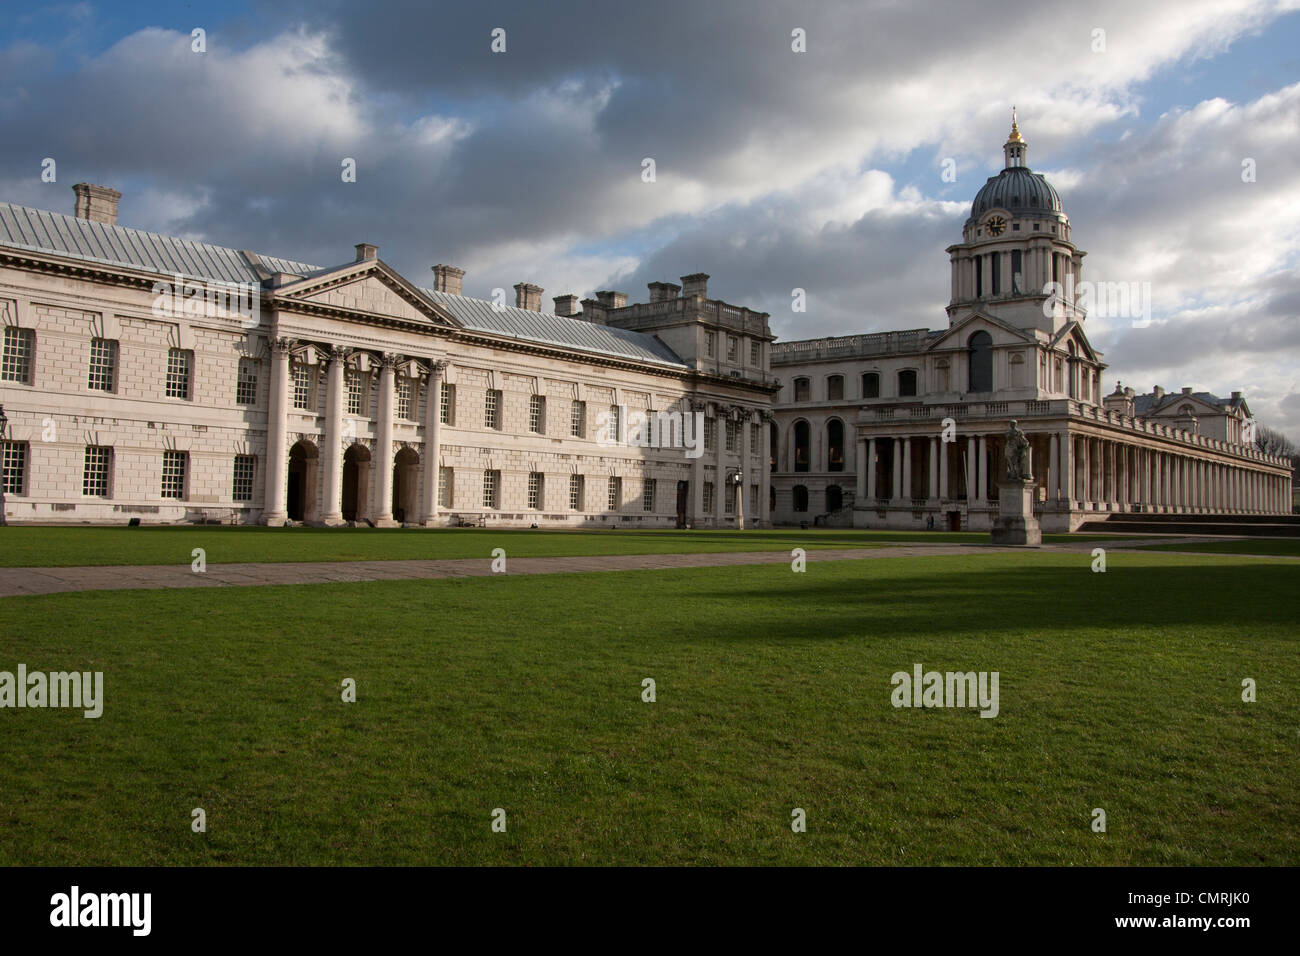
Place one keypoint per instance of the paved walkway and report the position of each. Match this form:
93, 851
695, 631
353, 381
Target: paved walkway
15, 582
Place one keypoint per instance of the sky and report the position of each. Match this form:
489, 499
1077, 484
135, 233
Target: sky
1169, 129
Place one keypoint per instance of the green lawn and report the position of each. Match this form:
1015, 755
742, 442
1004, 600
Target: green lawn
22, 547
1118, 690
1269, 546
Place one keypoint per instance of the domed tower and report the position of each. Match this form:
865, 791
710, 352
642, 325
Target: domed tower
1014, 246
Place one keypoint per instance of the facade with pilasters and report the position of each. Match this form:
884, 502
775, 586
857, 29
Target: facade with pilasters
905, 429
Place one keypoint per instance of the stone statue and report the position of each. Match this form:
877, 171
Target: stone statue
1017, 454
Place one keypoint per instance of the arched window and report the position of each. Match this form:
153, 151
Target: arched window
870, 384
835, 388
907, 382
1072, 372
834, 498
800, 498
802, 454
801, 389
835, 445
980, 362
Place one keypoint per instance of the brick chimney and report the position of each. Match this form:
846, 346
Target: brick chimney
663, 291
528, 296
447, 279
696, 283
566, 305
96, 203
612, 300
366, 250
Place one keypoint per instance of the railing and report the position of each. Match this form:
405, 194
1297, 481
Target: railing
874, 343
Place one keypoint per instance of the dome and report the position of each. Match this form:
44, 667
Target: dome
1019, 191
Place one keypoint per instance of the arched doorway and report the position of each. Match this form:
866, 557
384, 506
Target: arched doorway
304, 467
356, 483
406, 485
774, 443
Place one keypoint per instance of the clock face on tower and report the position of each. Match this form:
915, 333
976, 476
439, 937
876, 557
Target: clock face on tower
996, 226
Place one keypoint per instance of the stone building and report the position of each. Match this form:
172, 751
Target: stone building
898, 429
147, 376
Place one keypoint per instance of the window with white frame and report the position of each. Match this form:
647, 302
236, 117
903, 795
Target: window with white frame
576, 492
754, 354
173, 474
304, 386
245, 470
491, 489
180, 366
447, 408
709, 425
246, 382
16, 359
537, 414
612, 433
13, 467
733, 349
95, 474
404, 391
103, 365
535, 490
444, 488
492, 409
709, 344
578, 420
358, 403
648, 495
731, 435
728, 498
615, 494
708, 497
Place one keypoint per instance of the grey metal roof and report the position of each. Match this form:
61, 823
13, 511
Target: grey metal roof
481, 315
39, 230
1145, 404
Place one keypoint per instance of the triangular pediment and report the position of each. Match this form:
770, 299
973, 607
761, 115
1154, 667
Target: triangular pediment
1073, 332
957, 334
369, 288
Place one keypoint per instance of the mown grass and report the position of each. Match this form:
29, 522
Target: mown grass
1265, 546
1119, 690
73, 546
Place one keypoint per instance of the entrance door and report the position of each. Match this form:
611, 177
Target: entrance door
683, 496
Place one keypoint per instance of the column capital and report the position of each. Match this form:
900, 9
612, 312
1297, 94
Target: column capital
282, 346
336, 354
388, 360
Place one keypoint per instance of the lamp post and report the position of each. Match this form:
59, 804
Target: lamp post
4, 431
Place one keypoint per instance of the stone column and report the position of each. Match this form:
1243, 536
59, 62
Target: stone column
984, 471
720, 487
945, 492
897, 490
383, 456
764, 517
1067, 469
870, 467
907, 470
746, 453
972, 463
432, 442
275, 508
934, 470
862, 470
1052, 480
332, 453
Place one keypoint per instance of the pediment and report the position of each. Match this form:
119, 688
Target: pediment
1003, 333
1073, 332
371, 289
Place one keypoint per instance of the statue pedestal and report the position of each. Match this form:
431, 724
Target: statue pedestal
1016, 524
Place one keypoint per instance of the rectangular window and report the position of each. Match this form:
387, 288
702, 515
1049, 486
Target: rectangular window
173, 474
728, 498
753, 502
492, 409
180, 363
447, 408
304, 377
576, 492
578, 420
614, 423
997, 273
709, 346
535, 490
835, 388
103, 365
801, 390
404, 390
754, 448
491, 489
444, 488
733, 348
357, 394
242, 486
94, 477
13, 467
731, 435
537, 414
709, 424
708, 497
648, 495
754, 353
615, 494
16, 361
246, 382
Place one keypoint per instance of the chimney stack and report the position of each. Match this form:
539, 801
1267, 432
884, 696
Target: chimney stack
566, 305
366, 251
1187, 389
612, 300
663, 291
447, 279
593, 311
96, 203
528, 296
1158, 392
1236, 395
695, 284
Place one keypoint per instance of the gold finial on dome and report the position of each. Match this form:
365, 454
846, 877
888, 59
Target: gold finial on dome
1015, 136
